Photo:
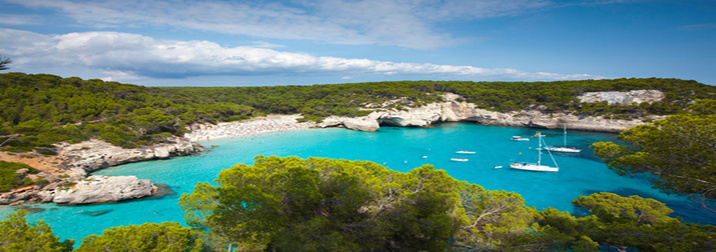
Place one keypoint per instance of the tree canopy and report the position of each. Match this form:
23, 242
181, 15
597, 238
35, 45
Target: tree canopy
4, 61
290, 204
17, 235
625, 223
39, 110
166, 236
680, 151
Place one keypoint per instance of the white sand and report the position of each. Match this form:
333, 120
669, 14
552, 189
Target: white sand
259, 125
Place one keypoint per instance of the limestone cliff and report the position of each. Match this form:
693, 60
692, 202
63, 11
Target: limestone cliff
454, 110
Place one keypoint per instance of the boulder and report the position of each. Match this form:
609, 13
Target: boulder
100, 189
361, 123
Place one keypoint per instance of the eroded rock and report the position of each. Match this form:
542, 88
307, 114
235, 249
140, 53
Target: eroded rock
100, 189
96, 154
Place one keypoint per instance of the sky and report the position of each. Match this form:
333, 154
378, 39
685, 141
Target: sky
303, 42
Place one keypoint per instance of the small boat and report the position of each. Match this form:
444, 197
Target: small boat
538, 166
563, 148
423, 156
465, 152
497, 166
459, 159
519, 138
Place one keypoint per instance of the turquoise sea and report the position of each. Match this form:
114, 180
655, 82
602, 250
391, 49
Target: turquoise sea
397, 148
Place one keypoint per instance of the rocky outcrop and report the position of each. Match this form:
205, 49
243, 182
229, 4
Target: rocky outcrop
100, 189
360, 123
454, 110
622, 98
96, 154
80, 159
89, 190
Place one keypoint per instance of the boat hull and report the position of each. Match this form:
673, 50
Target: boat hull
562, 149
533, 167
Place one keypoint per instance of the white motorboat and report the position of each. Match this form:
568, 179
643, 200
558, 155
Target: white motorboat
459, 159
465, 152
563, 148
519, 138
536, 166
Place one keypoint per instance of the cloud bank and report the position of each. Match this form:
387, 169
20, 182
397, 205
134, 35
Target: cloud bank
410, 24
125, 55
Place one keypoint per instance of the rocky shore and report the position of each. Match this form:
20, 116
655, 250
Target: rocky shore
68, 183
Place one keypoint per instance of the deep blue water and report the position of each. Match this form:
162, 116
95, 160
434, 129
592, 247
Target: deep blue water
397, 148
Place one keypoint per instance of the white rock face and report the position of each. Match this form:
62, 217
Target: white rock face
98, 189
360, 123
623, 98
452, 111
96, 154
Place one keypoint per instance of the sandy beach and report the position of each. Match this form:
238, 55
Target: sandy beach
258, 125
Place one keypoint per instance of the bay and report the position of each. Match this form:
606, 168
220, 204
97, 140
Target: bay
400, 149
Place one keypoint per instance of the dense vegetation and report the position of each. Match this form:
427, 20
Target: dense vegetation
44, 109
680, 151
318, 204
40, 110
166, 236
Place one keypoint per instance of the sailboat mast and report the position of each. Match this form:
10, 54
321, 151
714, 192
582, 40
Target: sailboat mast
565, 134
539, 148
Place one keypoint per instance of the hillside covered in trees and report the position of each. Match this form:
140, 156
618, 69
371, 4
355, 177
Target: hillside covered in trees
44, 109
41, 109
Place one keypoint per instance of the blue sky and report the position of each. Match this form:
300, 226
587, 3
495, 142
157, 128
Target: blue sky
300, 42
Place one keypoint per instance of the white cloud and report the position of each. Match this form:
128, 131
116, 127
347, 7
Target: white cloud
405, 23
125, 56
13, 19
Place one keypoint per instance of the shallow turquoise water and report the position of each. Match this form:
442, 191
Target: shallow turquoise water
397, 148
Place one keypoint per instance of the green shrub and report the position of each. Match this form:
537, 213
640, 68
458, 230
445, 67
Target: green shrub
9, 179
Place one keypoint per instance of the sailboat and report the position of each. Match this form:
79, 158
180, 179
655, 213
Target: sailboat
538, 166
563, 148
